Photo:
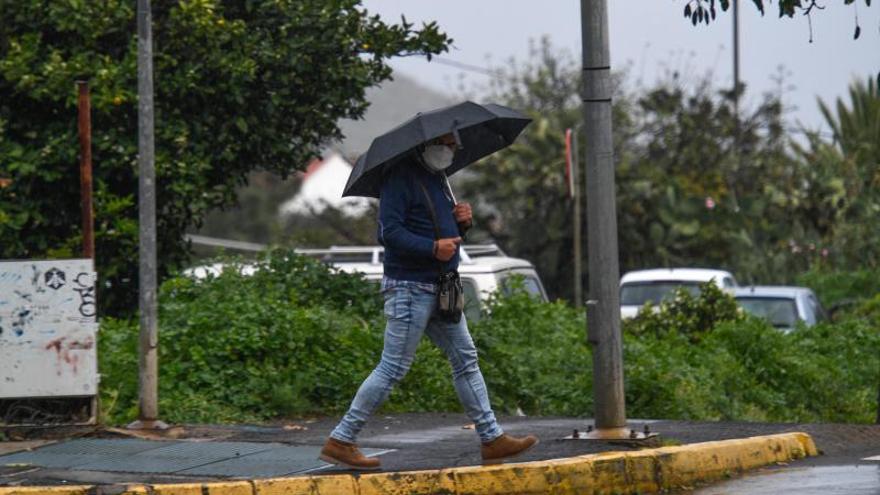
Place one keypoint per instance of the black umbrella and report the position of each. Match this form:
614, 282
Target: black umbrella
479, 129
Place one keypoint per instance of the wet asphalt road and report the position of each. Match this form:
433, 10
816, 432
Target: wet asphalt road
853, 479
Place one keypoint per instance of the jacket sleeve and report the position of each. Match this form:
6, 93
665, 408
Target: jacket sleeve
393, 204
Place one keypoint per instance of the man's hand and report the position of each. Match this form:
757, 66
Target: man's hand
463, 215
444, 249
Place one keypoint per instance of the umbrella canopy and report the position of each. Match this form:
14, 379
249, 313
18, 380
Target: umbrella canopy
480, 130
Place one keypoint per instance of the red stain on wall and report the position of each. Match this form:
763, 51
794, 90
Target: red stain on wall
62, 350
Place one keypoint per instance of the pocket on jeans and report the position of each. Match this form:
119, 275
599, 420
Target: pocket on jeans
398, 302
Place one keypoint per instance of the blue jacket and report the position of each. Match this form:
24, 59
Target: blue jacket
405, 227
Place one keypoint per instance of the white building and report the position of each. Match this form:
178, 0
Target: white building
322, 185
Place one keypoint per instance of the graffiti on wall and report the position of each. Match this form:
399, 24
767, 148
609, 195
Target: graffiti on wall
48, 327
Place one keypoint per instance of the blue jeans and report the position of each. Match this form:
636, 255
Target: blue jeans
408, 309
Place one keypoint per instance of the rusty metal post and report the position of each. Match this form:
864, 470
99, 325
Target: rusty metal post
578, 242
85, 169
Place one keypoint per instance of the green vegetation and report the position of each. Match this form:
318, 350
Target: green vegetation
699, 358
240, 86
703, 11
260, 85
297, 338
700, 182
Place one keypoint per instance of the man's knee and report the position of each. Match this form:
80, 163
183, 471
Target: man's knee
393, 372
467, 362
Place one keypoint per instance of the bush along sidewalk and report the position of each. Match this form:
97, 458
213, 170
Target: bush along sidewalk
297, 338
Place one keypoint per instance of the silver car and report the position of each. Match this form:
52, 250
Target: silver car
782, 306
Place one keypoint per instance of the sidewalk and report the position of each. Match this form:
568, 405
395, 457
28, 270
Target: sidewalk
434, 444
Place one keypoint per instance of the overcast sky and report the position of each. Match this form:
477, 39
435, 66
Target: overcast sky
651, 37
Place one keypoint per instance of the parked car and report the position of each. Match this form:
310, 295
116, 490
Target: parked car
782, 306
484, 269
642, 286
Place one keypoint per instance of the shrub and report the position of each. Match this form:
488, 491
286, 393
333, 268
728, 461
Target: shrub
686, 314
287, 340
297, 338
835, 288
699, 357
534, 355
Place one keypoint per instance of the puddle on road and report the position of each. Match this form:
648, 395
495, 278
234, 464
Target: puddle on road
862, 479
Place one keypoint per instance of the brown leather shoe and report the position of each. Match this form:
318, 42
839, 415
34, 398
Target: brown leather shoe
505, 447
347, 454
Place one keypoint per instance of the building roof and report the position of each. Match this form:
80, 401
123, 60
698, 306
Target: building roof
323, 182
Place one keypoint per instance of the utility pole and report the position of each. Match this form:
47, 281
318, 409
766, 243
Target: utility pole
149, 335
603, 306
736, 58
736, 93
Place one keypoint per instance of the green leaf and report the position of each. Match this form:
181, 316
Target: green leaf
241, 124
760, 5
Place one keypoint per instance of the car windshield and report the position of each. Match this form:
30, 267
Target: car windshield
528, 283
779, 311
638, 293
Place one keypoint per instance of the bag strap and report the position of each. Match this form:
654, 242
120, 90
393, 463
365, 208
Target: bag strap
440, 265
431, 210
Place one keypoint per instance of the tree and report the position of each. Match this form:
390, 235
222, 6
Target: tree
683, 200
520, 193
686, 199
843, 200
698, 11
241, 85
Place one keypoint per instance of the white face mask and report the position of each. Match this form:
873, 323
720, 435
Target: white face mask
438, 157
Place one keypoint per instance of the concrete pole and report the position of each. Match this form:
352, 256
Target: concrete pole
603, 306
149, 339
84, 125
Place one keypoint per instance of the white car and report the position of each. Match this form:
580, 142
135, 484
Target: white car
484, 269
782, 306
642, 286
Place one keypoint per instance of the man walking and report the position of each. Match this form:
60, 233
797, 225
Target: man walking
411, 268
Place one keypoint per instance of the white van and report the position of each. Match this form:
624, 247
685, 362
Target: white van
484, 269
641, 286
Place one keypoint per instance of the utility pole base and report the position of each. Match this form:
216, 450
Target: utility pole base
623, 434
148, 424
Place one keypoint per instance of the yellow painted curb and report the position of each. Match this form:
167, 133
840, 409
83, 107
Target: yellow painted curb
44, 490
643, 471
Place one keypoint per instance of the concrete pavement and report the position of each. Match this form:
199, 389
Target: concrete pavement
426, 443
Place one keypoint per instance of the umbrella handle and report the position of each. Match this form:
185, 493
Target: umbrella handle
458, 142
449, 188
462, 227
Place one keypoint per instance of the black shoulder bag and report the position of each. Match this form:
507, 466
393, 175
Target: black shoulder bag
450, 302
